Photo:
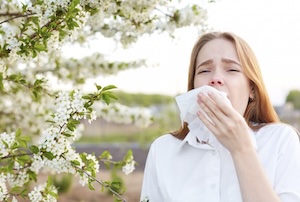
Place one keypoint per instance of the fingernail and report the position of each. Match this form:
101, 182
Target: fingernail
200, 96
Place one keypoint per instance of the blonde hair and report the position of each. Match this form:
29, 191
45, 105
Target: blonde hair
259, 110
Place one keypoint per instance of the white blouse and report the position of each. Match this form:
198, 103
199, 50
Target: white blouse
180, 171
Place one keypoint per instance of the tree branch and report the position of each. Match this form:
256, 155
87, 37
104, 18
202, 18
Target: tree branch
16, 15
16, 155
105, 185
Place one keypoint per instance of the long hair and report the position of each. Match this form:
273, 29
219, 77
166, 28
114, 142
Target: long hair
259, 109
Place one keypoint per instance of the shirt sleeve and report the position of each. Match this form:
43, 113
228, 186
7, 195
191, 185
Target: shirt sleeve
150, 188
287, 179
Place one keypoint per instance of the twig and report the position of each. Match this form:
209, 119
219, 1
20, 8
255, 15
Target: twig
164, 13
16, 16
105, 185
16, 155
107, 161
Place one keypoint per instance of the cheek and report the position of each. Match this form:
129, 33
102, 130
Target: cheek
199, 82
240, 103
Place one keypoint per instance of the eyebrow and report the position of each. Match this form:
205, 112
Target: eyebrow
226, 60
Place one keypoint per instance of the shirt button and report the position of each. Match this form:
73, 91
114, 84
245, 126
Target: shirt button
214, 152
212, 186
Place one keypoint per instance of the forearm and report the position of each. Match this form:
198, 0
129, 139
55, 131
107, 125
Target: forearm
254, 183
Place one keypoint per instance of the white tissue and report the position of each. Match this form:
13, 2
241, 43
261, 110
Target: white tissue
188, 107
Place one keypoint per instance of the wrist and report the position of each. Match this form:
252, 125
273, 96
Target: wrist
243, 152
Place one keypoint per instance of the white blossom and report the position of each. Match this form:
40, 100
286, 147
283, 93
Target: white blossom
145, 199
14, 199
3, 188
128, 168
23, 58
93, 116
84, 178
115, 112
96, 162
37, 194
18, 179
9, 139
37, 163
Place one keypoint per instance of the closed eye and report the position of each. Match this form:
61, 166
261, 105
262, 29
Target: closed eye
203, 71
233, 70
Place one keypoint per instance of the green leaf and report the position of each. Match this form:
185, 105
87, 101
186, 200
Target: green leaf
48, 155
110, 95
67, 134
91, 186
98, 87
53, 194
18, 133
71, 127
5, 143
49, 182
115, 185
32, 175
40, 47
106, 98
1, 81
107, 165
34, 149
109, 87
14, 146
22, 160
24, 193
35, 20
23, 143
87, 97
38, 82
128, 155
76, 163
88, 104
13, 77
74, 121
10, 166
73, 4
116, 199
16, 189
50, 121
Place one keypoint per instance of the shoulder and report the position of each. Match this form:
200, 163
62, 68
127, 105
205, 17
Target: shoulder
165, 143
279, 129
281, 134
166, 139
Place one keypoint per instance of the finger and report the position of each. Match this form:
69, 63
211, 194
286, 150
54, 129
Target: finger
219, 100
214, 112
210, 108
210, 125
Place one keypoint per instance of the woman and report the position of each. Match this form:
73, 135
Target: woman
181, 168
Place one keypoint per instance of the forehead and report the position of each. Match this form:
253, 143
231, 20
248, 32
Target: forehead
217, 49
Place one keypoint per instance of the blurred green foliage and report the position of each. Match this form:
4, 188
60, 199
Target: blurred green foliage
142, 100
63, 182
294, 98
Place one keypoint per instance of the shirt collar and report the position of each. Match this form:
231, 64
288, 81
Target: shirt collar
192, 140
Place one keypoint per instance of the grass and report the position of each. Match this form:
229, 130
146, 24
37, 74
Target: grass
142, 136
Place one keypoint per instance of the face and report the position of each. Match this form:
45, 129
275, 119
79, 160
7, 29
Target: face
217, 65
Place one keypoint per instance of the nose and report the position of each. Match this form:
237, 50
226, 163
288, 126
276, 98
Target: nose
216, 80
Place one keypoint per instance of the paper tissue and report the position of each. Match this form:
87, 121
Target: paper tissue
188, 107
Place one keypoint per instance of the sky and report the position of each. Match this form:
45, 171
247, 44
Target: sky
271, 28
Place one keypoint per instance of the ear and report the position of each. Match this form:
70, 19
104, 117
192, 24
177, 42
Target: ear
252, 93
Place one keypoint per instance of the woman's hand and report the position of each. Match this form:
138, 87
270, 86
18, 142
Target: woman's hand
229, 126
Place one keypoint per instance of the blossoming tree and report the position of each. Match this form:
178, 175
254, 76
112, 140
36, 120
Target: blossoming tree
38, 123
